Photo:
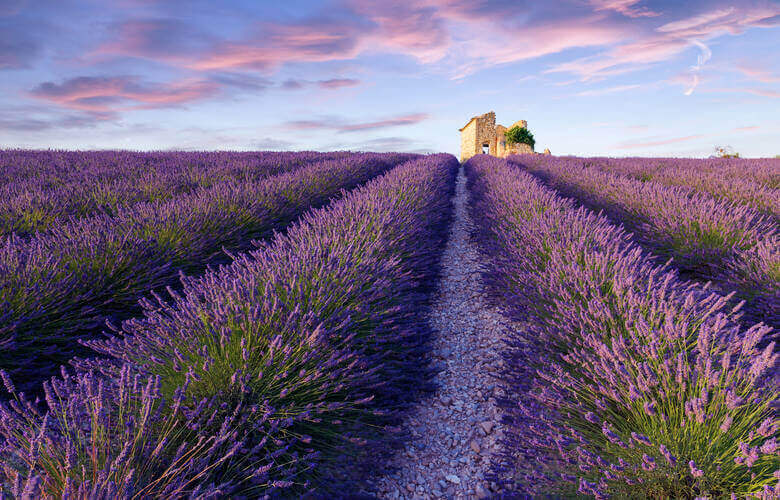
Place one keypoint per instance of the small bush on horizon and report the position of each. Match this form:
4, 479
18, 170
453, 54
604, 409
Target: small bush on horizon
519, 135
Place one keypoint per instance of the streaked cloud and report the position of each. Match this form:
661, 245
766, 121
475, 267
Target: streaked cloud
705, 56
114, 93
342, 126
758, 74
330, 84
669, 40
629, 8
609, 90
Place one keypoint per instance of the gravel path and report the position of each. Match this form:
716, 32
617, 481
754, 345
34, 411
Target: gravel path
457, 429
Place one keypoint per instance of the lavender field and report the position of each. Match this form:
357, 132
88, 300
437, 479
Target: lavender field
274, 324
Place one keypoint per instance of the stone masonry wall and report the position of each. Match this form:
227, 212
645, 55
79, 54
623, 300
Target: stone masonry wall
468, 139
482, 130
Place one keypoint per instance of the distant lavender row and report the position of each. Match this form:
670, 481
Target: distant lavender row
626, 380
64, 284
266, 376
41, 188
728, 243
753, 182
53, 167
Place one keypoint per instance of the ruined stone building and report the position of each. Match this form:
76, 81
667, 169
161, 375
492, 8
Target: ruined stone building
482, 135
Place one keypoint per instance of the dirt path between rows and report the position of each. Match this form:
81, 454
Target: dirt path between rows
456, 430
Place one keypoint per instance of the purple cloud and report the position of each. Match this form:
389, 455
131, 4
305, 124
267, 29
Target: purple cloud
345, 127
111, 94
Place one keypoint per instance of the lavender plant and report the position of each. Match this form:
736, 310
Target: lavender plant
301, 351
730, 244
753, 182
626, 380
63, 284
108, 438
44, 188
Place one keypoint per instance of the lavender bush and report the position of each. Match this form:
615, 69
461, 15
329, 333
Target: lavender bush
104, 438
63, 284
627, 379
265, 376
753, 182
40, 189
730, 244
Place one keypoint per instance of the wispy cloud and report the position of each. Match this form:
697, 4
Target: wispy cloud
107, 94
705, 56
610, 90
650, 47
746, 129
749, 90
331, 84
651, 144
758, 74
628, 8
342, 126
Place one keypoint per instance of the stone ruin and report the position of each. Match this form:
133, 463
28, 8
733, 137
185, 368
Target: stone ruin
482, 135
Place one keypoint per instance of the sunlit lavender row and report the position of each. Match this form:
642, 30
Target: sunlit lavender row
39, 189
753, 182
265, 376
64, 284
735, 246
626, 379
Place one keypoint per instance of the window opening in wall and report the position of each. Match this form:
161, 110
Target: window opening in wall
485, 148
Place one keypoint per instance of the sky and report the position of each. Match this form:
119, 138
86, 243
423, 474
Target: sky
591, 77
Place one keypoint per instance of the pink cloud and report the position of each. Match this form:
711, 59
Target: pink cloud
758, 74
267, 46
278, 44
109, 94
745, 129
761, 92
746, 90
667, 41
416, 29
636, 145
459, 36
626, 7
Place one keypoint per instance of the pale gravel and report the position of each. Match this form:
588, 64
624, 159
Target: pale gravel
456, 430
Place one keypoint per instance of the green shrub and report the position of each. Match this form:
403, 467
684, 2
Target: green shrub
519, 135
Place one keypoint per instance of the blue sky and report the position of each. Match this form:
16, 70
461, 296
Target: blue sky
591, 77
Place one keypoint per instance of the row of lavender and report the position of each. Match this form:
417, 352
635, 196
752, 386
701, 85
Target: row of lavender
627, 378
753, 182
64, 284
39, 189
272, 374
734, 246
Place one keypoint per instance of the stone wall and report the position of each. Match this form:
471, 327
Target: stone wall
518, 149
468, 138
478, 131
482, 130
500, 141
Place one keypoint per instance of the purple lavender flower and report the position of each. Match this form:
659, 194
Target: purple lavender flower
694, 471
670, 459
